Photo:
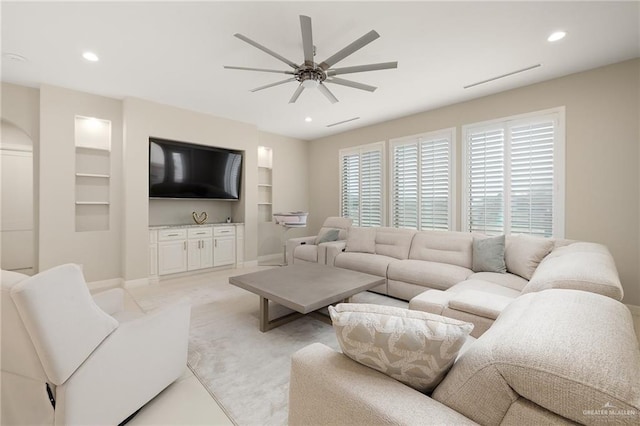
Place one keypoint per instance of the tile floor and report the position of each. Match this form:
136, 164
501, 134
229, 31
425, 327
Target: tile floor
186, 401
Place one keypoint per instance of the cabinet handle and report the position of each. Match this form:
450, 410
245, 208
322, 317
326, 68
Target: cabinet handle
200, 233
184, 245
215, 243
172, 235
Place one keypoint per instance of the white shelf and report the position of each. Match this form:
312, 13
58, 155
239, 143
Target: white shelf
264, 204
92, 175
92, 203
267, 185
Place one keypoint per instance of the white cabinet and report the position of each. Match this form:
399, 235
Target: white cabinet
199, 248
153, 253
190, 248
224, 245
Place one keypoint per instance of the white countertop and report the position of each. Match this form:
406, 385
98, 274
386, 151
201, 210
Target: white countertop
194, 225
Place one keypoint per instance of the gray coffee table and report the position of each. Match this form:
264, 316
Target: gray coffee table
305, 288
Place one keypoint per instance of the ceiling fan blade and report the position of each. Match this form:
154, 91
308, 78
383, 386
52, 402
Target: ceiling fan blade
257, 69
277, 83
363, 68
307, 40
356, 45
349, 83
266, 50
296, 94
327, 93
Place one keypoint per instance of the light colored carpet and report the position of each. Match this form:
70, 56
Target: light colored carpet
245, 370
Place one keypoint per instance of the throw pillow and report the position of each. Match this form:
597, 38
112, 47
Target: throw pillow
414, 347
330, 235
523, 254
361, 240
488, 255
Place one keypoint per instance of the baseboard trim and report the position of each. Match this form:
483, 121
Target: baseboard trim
140, 282
104, 284
250, 264
635, 310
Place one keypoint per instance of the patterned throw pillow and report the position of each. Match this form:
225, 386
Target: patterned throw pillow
416, 348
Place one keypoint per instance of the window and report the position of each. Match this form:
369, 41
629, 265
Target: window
422, 181
361, 183
514, 175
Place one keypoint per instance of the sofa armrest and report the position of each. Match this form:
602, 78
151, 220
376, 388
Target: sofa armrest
110, 301
327, 388
334, 249
292, 243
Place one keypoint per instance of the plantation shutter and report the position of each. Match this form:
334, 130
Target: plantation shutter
434, 184
350, 178
361, 180
371, 188
405, 186
485, 181
531, 191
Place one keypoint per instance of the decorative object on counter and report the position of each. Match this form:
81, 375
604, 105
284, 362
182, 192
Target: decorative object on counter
287, 221
201, 218
228, 220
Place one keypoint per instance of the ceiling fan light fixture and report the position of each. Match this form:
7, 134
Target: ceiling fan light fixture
310, 84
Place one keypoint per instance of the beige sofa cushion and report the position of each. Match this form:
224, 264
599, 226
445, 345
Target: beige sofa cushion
508, 280
373, 264
523, 253
361, 240
394, 242
580, 266
415, 348
429, 274
306, 252
454, 248
571, 343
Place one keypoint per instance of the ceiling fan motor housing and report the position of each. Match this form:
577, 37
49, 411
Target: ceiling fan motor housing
310, 77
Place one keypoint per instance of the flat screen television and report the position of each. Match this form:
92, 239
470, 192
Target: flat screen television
185, 170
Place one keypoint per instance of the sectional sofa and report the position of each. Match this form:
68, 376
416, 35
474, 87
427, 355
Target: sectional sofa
435, 271
552, 357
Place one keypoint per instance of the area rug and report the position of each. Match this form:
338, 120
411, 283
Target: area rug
245, 370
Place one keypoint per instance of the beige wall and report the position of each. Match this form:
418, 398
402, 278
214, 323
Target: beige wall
602, 196
98, 251
289, 191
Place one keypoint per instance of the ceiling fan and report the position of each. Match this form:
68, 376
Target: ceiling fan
313, 75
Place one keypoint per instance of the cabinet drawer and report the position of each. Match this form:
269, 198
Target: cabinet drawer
172, 234
220, 231
199, 232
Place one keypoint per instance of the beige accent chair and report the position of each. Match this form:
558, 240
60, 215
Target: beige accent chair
72, 359
306, 249
552, 357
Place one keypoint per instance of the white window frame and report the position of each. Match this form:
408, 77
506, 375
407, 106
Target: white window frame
558, 116
450, 134
360, 149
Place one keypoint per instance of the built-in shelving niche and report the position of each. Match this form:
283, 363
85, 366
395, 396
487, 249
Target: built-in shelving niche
93, 173
265, 180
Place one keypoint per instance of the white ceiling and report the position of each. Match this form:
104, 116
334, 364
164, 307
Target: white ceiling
174, 52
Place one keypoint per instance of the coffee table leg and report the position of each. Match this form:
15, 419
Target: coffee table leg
265, 324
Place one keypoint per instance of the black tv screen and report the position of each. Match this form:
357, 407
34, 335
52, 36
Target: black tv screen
184, 170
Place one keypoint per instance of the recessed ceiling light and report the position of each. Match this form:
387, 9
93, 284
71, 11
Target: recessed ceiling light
90, 56
308, 119
558, 35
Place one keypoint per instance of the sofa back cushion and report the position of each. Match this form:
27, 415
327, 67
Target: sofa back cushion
62, 319
569, 352
394, 242
454, 248
361, 240
579, 266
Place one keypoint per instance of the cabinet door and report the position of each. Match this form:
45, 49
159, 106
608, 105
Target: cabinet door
224, 251
206, 253
239, 245
172, 257
153, 259
193, 256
